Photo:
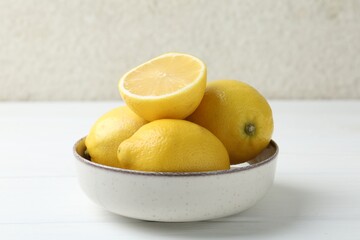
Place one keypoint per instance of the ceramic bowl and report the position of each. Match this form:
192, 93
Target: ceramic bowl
177, 197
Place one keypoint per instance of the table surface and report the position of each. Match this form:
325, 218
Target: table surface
316, 193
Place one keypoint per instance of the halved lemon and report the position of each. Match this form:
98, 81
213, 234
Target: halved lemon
169, 86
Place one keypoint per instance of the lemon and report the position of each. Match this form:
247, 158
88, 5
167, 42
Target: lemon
238, 115
169, 86
172, 145
108, 132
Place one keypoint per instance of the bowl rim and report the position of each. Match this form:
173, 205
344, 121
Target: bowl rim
174, 174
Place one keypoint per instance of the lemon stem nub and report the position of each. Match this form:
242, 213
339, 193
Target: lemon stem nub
250, 129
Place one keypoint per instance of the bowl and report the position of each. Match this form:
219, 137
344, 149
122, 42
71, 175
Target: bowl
176, 197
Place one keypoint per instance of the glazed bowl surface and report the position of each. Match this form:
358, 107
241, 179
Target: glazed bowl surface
176, 197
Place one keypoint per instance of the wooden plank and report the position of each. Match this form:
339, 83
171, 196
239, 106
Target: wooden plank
274, 230
316, 192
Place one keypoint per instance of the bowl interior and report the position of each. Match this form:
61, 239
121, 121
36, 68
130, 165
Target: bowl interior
267, 155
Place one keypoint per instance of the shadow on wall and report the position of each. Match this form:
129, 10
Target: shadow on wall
276, 212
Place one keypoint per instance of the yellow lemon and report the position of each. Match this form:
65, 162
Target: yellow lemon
172, 145
108, 132
238, 115
169, 86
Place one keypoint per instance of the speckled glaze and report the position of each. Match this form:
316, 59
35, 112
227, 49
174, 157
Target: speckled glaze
177, 197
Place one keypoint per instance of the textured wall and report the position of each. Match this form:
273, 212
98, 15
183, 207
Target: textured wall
66, 50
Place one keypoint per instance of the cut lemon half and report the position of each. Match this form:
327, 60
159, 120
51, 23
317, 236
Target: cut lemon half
169, 86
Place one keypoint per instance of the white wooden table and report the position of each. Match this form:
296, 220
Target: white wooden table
316, 194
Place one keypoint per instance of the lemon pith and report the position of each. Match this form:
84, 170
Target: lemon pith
169, 86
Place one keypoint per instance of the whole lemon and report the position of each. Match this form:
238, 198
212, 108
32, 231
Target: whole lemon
108, 132
238, 115
171, 145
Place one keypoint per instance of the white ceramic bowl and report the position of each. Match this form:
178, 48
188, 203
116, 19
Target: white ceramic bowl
177, 197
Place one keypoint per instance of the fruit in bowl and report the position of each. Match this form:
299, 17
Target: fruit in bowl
108, 132
238, 115
187, 146
173, 145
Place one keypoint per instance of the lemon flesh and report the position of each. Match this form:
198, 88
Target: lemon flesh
169, 86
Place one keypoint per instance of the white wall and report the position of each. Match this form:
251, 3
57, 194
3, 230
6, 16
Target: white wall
75, 50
